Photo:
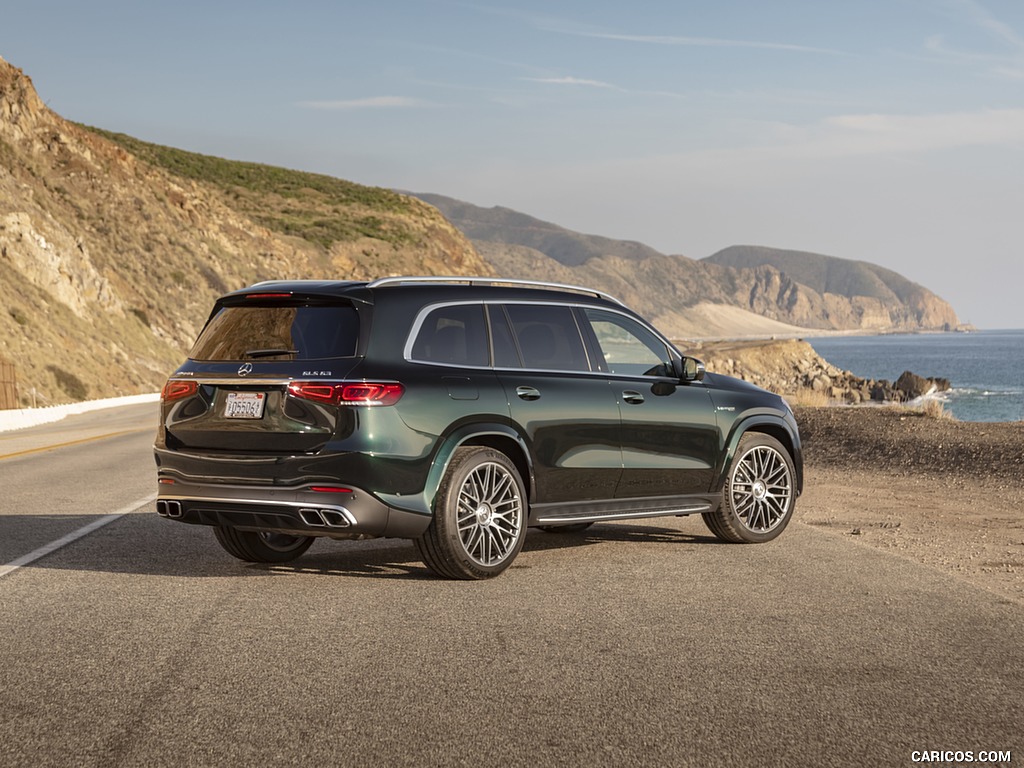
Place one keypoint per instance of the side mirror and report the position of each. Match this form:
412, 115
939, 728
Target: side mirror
688, 369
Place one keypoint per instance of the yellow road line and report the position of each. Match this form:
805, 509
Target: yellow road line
75, 442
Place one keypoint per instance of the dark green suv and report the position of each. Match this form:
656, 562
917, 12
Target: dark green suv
457, 412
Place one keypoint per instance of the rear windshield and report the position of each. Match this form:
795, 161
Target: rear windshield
279, 333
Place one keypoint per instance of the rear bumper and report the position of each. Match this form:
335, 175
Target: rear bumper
299, 511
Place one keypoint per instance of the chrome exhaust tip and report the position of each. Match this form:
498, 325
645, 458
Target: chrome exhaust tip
324, 518
312, 518
334, 519
169, 508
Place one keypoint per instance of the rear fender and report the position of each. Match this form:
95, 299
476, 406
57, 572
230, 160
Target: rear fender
499, 436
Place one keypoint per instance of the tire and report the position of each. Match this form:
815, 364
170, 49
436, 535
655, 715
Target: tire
759, 495
567, 528
479, 522
261, 547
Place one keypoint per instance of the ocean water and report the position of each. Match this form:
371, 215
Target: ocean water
985, 368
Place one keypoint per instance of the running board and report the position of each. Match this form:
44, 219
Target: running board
626, 509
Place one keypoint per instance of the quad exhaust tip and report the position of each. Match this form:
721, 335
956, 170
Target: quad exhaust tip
169, 508
324, 518
314, 518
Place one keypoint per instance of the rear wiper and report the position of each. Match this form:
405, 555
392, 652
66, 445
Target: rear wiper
269, 352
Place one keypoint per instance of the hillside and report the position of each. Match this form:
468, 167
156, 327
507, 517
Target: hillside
878, 297
803, 291
113, 250
503, 225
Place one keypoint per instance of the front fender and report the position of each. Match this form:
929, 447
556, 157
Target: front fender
779, 424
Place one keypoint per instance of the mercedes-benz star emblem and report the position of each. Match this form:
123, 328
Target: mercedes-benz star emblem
244, 369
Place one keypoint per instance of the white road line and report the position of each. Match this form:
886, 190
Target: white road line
63, 541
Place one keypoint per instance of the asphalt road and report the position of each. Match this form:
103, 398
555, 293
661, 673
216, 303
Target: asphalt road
143, 643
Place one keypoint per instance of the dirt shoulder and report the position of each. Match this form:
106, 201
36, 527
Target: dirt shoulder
944, 493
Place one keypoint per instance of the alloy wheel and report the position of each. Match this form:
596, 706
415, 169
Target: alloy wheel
489, 515
762, 489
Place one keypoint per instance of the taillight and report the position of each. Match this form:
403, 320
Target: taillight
349, 393
371, 393
177, 390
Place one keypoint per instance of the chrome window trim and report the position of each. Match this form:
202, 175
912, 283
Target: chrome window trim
428, 308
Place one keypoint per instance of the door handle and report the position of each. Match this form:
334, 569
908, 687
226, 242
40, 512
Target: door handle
528, 393
633, 397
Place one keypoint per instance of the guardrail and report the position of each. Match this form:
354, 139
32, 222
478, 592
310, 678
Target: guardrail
31, 417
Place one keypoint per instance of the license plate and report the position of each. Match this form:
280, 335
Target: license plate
245, 405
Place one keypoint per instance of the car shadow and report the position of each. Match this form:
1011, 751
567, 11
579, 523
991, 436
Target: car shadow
145, 544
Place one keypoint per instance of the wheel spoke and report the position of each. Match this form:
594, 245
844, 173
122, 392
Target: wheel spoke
757, 518
762, 516
472, 490
500, 488
466, 517
746, 506
472, 540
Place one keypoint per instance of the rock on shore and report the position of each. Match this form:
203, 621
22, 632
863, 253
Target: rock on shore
791, 367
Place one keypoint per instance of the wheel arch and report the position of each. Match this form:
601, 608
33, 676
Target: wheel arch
500, 437
770, 425
512, 446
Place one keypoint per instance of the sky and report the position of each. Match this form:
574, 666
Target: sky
888, 131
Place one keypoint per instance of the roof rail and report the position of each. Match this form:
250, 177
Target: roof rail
386, 281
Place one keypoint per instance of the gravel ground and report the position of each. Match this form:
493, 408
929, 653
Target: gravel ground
945, 493
903, 442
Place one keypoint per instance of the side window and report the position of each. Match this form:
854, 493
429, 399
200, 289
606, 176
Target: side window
628, 347
548, 337
455, 335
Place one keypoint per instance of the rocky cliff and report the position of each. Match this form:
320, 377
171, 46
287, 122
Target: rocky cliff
820, 291
112, 251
